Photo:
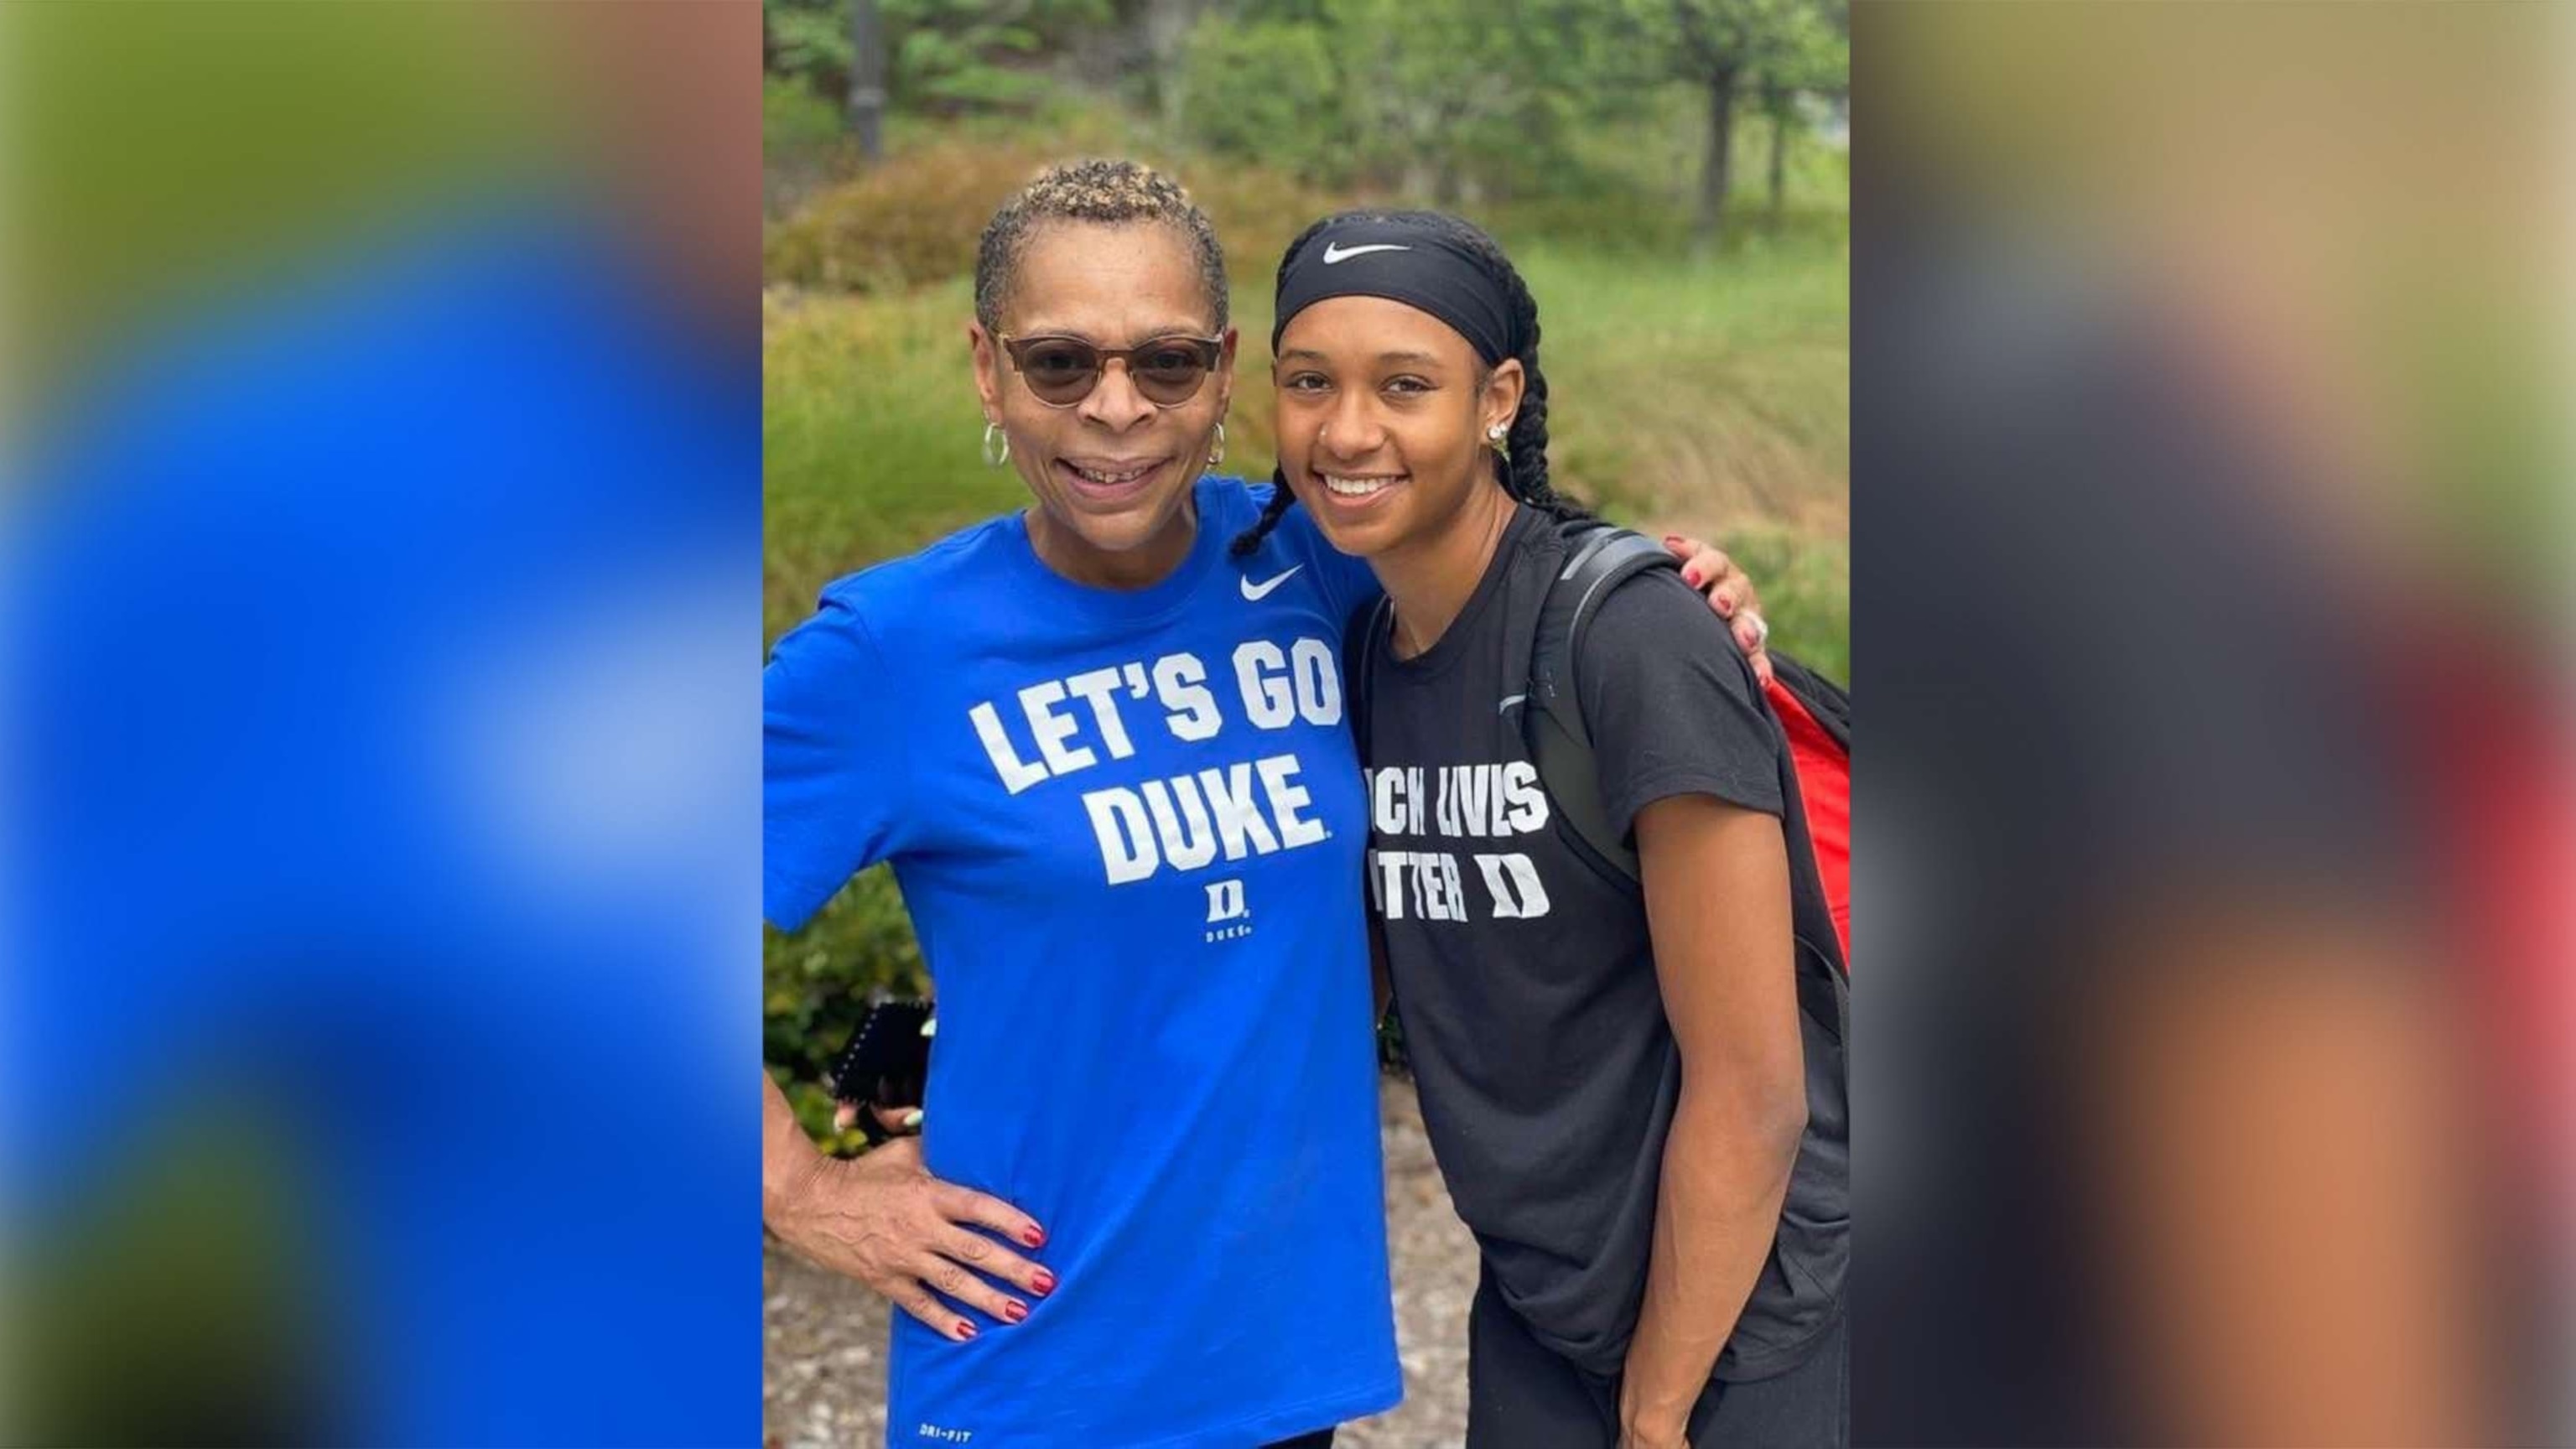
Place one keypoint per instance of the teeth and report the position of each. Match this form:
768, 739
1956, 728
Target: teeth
1355, 487
1097, 476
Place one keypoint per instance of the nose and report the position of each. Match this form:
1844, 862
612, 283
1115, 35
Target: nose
1114, 402
1350, 430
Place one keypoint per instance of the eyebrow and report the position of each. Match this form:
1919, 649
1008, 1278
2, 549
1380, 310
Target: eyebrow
1416, 359
1155, 334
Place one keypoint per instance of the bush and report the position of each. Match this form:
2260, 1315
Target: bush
795, 120
949, 56
816, 985
911, 221
1268, 89
914, 220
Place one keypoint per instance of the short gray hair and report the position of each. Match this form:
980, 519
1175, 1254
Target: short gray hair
1108, 191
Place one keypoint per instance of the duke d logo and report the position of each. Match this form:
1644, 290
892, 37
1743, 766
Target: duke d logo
1228, 918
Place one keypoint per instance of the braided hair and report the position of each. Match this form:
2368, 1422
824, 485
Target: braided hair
1522, 470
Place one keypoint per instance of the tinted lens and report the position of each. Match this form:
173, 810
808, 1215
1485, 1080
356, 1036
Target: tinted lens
1060, 372
1169, 372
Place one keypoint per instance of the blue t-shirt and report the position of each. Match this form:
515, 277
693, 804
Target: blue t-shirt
1129, 828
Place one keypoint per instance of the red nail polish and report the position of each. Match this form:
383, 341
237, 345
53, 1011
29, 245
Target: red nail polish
1043, 1284
1015, 1311
1034, 1237
965, 1330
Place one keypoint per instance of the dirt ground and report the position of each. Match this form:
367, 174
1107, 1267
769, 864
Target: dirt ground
826, 1336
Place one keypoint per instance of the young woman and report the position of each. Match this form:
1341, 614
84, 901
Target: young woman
1110, 767
1616, 1077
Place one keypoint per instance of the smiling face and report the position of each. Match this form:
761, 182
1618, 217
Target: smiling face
1383, 412
1112, 472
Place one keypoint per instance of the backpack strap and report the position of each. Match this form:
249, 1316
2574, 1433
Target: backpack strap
1598, 560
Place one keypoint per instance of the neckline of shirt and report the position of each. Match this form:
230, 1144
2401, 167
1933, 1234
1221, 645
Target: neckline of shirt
1450, 646
1163, 597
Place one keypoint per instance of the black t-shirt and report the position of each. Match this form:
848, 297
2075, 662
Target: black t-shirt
1524, 973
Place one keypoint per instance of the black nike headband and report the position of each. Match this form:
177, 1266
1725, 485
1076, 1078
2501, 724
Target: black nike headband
1404, 261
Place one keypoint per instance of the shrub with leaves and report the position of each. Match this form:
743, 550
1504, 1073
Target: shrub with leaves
914, 220
910, 221
817, 983
942, 55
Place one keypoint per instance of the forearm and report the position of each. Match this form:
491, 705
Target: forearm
1717, 902
787, 1155
1725, 1172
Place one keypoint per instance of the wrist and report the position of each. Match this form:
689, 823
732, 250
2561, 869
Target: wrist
785, 1172
1655, 1435
1648, 1421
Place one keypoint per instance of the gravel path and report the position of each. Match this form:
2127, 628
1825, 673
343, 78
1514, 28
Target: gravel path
824, 1387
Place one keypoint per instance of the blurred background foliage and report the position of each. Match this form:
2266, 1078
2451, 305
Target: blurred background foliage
236, 145
1672, 176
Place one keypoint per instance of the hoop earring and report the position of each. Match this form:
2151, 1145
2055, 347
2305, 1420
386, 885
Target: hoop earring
1216, 455
995, 457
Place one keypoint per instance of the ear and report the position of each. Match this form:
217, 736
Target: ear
1225, 370
988, 369
1501, 399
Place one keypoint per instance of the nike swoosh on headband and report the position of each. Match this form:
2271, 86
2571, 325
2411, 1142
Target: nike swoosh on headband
1258, 592
1333, 252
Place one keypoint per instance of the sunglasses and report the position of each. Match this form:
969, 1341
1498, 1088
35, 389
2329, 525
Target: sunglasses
1062, 371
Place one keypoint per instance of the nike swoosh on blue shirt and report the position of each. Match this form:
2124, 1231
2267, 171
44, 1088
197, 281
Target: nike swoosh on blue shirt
1257, 592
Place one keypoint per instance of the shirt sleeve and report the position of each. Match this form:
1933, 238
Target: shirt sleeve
1671, 706
832, 763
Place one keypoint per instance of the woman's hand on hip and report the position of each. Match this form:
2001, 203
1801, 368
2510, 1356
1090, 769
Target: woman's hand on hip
883, 1219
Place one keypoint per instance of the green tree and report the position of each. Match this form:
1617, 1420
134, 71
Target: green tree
1268, 88
940, 55
1810, 56
1723, 47
1164, 27
867, 103
1441, 100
